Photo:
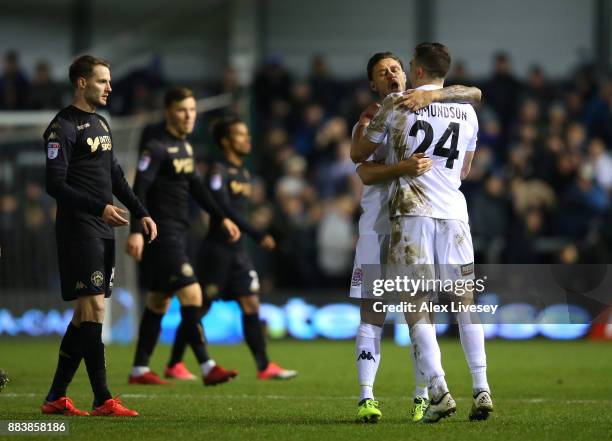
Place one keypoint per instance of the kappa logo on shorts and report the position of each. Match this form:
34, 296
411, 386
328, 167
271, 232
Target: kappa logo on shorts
112, 278
97, 278
357, 277
468, 269
79, 285
187, 270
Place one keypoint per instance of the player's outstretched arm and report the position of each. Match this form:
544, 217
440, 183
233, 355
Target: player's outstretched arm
373, 173
416, 99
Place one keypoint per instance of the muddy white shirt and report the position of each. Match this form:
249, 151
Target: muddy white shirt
374, 202
443, 132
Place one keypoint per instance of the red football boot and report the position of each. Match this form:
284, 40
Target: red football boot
275, 372
113, 408
179, 372
63, 406
218, 375
147, 378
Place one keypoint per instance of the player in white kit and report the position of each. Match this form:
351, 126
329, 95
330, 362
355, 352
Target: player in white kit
429, 217
386, 75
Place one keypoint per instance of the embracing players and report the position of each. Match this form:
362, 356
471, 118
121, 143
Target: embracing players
83, 175
386, 75
429, 218
165, 179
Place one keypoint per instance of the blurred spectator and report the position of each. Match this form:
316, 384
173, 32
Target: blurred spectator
502, 92
325, 90
140, 90
44, 92
600, 162
335, 239
14, 86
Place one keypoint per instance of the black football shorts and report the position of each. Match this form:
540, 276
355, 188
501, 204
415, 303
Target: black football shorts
165, 266
86, 266
225, 271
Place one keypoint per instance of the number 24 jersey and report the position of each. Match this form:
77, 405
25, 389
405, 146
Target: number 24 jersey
443, 132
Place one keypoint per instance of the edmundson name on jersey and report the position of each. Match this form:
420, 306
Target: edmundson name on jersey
438, 111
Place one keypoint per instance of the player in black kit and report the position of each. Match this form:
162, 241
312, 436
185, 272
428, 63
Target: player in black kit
83, 175
165, 179
225, 270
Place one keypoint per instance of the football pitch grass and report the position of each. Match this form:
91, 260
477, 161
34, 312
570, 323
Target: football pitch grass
542, 390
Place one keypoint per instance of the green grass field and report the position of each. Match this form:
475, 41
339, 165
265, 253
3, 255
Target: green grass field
543, 390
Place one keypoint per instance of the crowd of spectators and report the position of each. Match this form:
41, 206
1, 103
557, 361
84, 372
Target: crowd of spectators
539, 189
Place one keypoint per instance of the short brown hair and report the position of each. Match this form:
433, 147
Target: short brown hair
433, 58
381, 56
176, 94
221, 128
83, 67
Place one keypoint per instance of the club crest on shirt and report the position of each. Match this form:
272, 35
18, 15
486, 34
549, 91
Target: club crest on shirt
53, 150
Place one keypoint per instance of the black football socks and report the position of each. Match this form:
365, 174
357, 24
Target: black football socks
93, 353
254, 336
193, 332
70, 356
148, 334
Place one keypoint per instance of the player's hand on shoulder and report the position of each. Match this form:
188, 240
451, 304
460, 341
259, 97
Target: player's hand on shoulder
134, 246
414, 99
149, 227
232, 230
369, 112
268, 243
415, 165
114, 216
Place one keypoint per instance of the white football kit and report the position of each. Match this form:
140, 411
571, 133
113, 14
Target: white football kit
374, 225
428, 213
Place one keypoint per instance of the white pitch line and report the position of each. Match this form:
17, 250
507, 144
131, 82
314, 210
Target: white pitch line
316, 398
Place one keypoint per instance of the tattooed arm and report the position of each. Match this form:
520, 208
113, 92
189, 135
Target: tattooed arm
416, 99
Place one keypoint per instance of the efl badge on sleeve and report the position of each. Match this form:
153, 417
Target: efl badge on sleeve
216, 181
144, 162
53, 150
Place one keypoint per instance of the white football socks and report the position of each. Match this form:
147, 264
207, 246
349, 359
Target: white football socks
137, 371
420, 380
207, 366
429, 358
367, 350
472, 341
